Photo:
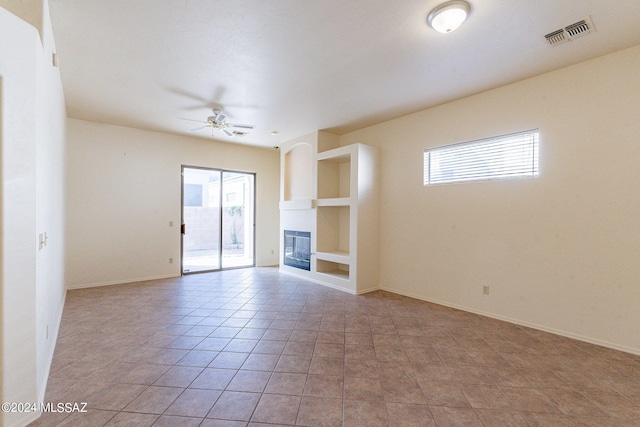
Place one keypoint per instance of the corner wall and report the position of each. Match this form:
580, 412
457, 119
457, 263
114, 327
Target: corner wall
560, 252
32, 168
124, 188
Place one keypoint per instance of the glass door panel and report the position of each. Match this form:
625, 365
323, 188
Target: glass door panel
238, 219
201, 219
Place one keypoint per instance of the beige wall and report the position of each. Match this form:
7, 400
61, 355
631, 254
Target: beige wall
124, 188
560, 252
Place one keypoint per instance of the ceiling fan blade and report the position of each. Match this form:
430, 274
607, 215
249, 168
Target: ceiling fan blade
185, 93
227, 132
191, 120
242, 126
197, 107
193, 130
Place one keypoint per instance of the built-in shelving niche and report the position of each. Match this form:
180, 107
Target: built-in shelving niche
342, 212
333, 225
333, 269
334, 176
297, 177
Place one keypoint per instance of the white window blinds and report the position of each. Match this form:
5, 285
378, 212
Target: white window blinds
501, 157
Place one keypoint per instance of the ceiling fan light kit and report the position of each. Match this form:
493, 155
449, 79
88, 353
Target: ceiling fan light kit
448, 16
219, 121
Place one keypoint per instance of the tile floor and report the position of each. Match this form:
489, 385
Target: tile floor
252, 347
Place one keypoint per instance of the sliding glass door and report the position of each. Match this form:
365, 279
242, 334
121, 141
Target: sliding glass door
218, 209
237, 219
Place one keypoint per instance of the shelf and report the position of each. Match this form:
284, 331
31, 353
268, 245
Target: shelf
296, 204
334, 269
334, 175
340, 257
337, 155
333, 225
338, 274
335, 201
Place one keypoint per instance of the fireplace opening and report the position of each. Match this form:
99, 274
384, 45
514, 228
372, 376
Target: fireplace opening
297, 249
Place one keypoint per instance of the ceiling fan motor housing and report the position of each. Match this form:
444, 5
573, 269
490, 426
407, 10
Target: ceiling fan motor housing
218, 121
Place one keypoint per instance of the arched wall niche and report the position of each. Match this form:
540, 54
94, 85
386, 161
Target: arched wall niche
298, 176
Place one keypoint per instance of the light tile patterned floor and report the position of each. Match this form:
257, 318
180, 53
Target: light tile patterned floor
253, 347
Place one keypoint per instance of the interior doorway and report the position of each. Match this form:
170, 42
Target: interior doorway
218, 219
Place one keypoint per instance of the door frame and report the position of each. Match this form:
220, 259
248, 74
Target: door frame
182, 224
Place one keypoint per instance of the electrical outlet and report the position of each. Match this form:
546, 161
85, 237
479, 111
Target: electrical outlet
170, 260
485, 290
170, 223
46, 333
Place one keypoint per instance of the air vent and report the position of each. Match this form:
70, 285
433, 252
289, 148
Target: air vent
578, 29
575, 30
557, 37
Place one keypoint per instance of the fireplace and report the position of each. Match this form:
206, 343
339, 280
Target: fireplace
297, 249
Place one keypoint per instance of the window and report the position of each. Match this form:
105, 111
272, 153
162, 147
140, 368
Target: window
501, 157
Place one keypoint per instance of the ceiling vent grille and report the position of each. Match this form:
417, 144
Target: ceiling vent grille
575, 30
556, 37
579, 29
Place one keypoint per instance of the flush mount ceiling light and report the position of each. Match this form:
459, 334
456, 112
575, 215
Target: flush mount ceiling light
449, 16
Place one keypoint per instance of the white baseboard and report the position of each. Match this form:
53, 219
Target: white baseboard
54, 337
366, 291
121, 282
311, 278
543, 328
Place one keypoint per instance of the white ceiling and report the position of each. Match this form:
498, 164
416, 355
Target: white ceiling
301, 65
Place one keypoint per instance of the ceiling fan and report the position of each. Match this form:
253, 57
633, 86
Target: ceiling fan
219, 121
